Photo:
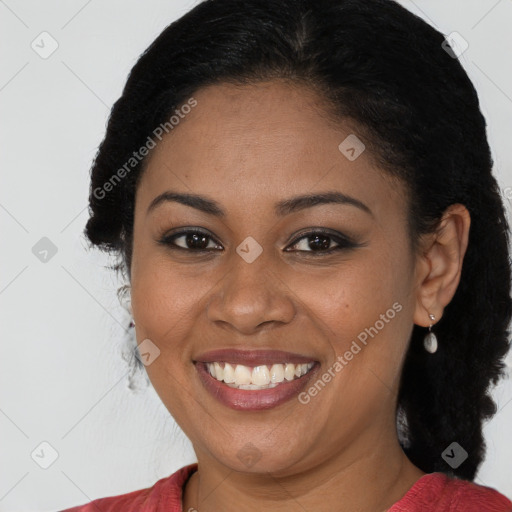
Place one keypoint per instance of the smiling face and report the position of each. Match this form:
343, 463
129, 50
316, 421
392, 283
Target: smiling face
250, 150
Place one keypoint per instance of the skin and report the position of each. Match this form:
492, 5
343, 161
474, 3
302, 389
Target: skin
248, 147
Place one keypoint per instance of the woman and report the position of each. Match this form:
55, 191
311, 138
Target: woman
301, 197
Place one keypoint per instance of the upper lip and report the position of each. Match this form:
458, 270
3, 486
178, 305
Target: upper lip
252, 357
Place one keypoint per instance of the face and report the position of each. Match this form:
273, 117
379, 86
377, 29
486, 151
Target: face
327, 282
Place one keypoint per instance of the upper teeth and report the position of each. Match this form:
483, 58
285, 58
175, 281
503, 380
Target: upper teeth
259, 377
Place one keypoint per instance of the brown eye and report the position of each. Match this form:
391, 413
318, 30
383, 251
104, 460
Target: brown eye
192, 240
321, 242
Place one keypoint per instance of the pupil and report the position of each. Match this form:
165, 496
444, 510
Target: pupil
193, 238
324, 244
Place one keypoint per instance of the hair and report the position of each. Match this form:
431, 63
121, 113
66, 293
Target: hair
385, 70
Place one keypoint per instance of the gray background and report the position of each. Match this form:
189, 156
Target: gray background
63, 380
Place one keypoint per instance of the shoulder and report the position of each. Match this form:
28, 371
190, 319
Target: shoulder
442, 493
165, 494
467, 495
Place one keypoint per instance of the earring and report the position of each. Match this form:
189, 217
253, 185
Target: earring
126, 302
430, 340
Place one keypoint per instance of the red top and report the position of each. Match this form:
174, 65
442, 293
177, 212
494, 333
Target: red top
433, 492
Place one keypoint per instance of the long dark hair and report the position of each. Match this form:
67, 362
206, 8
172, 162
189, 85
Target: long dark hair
387, 71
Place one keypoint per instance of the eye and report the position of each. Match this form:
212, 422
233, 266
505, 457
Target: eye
320, 241
192, 240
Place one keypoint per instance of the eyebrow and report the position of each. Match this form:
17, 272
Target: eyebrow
281, 208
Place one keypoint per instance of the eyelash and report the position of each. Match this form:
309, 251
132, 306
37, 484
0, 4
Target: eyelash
343, 242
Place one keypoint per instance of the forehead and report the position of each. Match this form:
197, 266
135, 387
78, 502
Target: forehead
253, 142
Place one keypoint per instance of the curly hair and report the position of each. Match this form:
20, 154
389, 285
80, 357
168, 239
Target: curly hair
388, 72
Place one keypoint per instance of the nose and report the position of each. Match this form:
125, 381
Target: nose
251, 297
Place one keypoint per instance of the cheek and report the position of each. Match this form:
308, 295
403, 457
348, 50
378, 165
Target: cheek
350, 296
164, 300
363, 311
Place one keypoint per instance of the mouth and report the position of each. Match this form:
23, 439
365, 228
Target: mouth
254, 380
239, 376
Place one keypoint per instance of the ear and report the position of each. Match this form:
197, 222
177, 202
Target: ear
439, 264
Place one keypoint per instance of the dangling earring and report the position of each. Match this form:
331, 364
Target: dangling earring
430, 340
126, 302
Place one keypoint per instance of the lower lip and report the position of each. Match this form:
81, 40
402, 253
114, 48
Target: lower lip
251, 399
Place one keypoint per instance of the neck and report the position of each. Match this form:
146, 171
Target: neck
361, 477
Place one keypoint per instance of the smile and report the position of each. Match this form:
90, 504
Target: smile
252, 380
239, 376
